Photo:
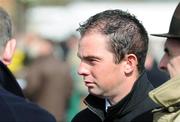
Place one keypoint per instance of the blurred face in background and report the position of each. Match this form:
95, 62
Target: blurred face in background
170, 62
37, 46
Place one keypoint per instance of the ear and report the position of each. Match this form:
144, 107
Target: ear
131, 63
9, 51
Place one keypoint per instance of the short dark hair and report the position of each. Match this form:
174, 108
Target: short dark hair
5, 27
125, 33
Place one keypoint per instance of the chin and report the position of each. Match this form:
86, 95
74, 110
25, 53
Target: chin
98, 94
93, 92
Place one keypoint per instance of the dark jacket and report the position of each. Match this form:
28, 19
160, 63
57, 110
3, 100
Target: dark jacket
135, 107
13, 106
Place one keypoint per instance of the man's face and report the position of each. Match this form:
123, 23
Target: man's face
100, 74
170, 62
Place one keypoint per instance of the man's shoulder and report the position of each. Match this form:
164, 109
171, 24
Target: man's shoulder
18, 109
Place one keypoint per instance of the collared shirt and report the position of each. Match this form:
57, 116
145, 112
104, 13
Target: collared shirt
107, 104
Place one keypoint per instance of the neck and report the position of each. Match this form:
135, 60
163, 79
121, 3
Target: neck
123, 90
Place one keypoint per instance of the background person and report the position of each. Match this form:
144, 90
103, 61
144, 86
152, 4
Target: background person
13, 105
167, 95
155, 75
49, 83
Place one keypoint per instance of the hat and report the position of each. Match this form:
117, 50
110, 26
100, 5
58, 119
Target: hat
174, 30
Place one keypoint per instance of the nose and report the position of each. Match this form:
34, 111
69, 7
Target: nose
163, 63
83, 69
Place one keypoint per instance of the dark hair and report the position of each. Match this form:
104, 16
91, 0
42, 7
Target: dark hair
125, 33
5, 27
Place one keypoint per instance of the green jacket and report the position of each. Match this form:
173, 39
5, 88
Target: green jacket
168, 97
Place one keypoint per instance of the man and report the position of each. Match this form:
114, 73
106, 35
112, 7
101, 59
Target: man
13, 106
112, 50
167, 95
49, 83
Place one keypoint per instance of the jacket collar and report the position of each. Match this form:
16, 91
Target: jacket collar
97, 105
8, 81
138, 94
168, 93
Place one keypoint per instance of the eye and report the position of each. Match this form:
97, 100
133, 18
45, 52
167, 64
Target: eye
167, 51
92, 61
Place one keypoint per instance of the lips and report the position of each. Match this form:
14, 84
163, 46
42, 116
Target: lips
89, 83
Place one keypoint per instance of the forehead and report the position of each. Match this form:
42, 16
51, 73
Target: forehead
173, 45
173, 42
93, 40
93, 43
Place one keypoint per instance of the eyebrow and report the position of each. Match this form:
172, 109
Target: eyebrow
88, 57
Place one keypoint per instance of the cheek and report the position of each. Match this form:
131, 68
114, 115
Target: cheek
174, 62
107, 74
173, 66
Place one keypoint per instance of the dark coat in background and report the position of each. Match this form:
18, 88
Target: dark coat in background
13, 106
136, 107
156, 76
49, 84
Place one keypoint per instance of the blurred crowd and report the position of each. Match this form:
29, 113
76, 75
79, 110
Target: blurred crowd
46, 69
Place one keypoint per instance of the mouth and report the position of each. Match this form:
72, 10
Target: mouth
89, 83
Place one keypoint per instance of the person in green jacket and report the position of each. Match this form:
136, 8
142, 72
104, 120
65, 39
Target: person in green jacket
168, 94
